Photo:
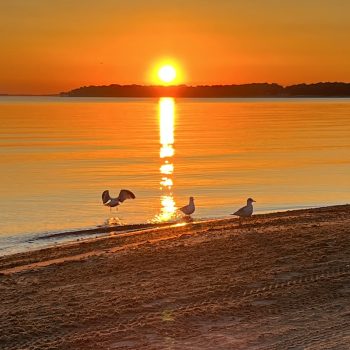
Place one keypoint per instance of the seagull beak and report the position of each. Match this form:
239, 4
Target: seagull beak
254, 201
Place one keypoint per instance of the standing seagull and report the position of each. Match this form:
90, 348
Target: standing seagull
190, 208
114, 202
246, 211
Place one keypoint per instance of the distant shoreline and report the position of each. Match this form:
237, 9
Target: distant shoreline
184, 97
253, 90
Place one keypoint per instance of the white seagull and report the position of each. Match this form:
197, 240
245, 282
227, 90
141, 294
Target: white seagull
246, 211
114, 202
190, 208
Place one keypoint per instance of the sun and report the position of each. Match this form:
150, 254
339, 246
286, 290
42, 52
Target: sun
167, 73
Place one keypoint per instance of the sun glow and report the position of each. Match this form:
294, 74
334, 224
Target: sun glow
167, 73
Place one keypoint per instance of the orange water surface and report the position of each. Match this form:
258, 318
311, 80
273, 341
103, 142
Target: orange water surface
57, 155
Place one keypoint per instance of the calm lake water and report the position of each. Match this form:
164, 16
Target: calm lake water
57, 155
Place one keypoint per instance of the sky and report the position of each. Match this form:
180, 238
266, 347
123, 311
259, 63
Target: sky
57, 45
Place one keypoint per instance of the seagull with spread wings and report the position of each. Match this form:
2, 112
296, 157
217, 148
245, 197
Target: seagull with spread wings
114, 202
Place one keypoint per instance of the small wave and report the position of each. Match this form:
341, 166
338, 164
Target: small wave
114, 221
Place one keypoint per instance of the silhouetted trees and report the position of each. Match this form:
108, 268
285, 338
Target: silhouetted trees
319, 90
212, 91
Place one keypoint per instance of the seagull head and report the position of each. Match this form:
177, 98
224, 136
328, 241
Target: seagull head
250, 200
191, 199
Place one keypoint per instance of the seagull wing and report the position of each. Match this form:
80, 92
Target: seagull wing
184, 209
239, 212
188, 209
125, 194
106, 197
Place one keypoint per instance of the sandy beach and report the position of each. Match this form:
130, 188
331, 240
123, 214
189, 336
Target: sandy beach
282, 281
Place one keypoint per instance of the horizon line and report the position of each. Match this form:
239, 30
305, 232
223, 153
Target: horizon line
169, 86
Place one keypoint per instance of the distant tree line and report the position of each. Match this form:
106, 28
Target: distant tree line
214, 91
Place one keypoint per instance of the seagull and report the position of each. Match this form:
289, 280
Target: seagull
114, 202
246, 211
190, 208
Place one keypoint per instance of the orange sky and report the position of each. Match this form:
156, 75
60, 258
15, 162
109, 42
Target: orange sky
57, 45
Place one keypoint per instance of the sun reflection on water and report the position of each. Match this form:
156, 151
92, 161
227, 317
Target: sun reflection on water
166, 126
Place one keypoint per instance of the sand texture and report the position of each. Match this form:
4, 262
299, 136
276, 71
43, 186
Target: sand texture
282, 281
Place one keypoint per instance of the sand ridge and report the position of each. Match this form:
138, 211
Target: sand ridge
282, 281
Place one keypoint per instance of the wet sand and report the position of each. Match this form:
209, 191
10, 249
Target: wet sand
282, 281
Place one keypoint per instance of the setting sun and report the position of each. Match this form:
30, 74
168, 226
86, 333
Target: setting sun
166, 71
167, 74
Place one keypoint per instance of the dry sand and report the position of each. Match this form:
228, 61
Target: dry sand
282, 281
